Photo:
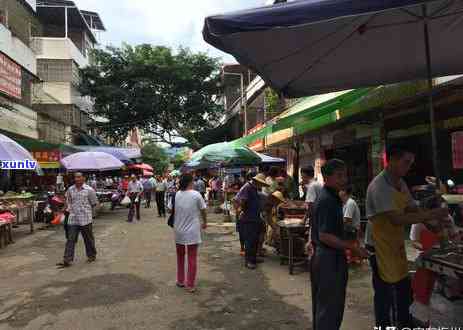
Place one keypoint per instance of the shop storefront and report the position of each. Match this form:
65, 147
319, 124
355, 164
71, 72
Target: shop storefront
413, 130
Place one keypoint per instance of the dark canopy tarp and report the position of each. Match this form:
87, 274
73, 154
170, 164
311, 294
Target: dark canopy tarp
313, 46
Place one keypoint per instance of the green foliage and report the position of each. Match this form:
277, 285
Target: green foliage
155, 156
272, 101
166, 94
179, 159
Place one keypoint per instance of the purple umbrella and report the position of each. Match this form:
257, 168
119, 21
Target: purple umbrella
91, 161
116, 152
11, 150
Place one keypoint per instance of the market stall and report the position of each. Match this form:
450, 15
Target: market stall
293, 236
21, 205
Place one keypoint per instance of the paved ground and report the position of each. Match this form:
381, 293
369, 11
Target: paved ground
132, 284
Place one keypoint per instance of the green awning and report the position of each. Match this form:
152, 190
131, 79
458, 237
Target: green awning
38, 145
260, 134
322, 110
343, 106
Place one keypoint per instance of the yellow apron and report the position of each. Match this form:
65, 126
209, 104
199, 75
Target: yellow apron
389, 240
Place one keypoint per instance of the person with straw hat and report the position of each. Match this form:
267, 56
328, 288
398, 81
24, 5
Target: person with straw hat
273, 233
250, 206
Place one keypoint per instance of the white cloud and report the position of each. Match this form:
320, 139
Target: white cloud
169, 22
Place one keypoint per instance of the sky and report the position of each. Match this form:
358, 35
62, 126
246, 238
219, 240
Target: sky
171, 23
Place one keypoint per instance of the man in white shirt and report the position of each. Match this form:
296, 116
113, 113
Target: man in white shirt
59, 182
312, 188
161, 187
134, 191
350, 209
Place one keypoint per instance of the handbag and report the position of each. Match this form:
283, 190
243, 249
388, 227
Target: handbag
171, 219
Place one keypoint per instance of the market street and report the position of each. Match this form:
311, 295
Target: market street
132, 284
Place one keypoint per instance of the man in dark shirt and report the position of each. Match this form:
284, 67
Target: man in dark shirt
329, 264
248, 201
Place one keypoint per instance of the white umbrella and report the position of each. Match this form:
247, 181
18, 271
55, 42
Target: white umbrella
91, 161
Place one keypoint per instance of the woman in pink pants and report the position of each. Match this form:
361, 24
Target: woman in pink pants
189, 210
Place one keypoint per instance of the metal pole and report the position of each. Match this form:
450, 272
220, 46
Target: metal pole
65, 22
434, 150
244, 105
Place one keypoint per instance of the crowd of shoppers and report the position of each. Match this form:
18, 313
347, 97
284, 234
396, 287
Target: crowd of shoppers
332, 213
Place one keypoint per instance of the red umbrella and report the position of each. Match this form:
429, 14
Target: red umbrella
147, 173
142, 167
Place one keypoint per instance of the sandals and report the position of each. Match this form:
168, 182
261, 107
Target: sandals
63, 264
190, 290
187, 289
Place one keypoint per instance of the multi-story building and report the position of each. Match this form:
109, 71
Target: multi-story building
62, 48
19, 23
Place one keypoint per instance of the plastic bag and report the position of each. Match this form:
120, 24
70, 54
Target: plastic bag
58, 219
125, 201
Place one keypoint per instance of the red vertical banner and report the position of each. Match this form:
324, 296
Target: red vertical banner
10, 77
457, 150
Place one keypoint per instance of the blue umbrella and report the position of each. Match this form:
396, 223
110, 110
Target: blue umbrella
316, 46
266, 159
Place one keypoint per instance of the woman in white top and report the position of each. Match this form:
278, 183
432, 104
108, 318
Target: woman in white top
188, 209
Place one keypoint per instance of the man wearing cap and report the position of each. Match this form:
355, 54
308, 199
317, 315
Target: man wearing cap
250, 220
329, 264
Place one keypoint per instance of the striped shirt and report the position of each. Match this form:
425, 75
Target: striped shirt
80, 203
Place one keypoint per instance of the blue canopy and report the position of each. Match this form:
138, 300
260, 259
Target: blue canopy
315, 46
266, 159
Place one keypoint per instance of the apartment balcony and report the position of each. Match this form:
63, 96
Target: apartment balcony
66, 114
59, 49
17, 50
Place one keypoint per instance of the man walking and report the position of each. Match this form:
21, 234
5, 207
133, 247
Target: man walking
390, 208
249, 203
161, 187
134, 191
200, 186
329, 264
147, 189
80, 199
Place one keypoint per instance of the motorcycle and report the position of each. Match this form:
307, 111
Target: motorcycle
116, 199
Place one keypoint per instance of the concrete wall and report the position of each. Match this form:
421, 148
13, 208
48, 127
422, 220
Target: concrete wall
22, 121
21, 20
58, 49
61, 91
17, 50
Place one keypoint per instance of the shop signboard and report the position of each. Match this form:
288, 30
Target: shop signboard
457, 150
258, 144
48, 158
280, 136
10, 77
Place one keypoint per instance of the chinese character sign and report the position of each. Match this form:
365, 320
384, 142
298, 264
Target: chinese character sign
47, 156
10, 77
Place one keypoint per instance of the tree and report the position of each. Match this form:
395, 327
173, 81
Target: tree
168, 95
155, 156
179, 159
